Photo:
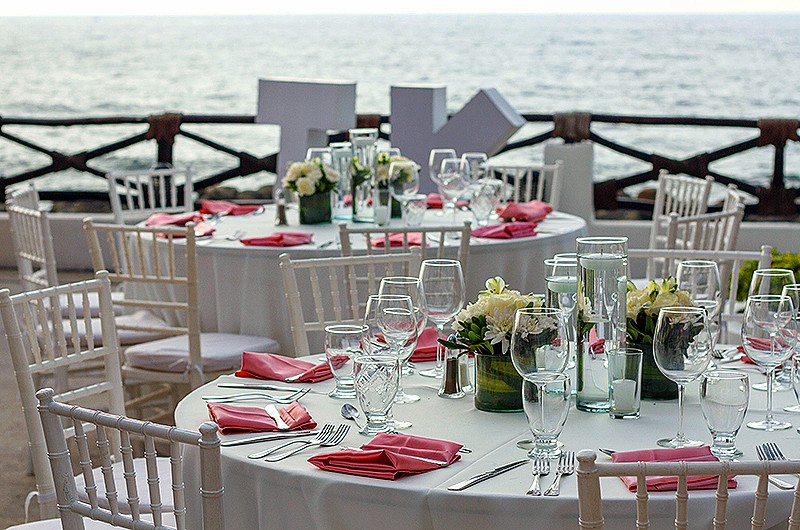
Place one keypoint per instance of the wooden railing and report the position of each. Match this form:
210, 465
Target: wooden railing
775, 199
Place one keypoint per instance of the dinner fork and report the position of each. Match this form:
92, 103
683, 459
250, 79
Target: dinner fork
323, 434
255, 396
332, 439
566, 466
540, 467
765, 454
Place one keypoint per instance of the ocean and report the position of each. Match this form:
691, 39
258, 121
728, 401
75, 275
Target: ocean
734, 66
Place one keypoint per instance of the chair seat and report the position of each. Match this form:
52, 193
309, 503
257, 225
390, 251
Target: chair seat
220, 352
126, 337
94, 304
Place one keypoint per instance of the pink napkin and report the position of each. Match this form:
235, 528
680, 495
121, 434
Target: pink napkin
390, 456
525, 211
281, 368
167, 219
435, 202
226, 208
279, 239
506, 230
396, 240
689, 454
426, 346
234, 418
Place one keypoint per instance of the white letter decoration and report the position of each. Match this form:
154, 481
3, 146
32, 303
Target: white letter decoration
305, 110
419, 124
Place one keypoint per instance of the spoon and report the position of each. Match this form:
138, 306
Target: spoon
351, 413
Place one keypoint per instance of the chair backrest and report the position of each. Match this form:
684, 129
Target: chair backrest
590, 504
158, 259
136, 194
730, 265
708, 231
339, 289
531, 182
376, 240
35, 332
680, 194
115, 426
32, 240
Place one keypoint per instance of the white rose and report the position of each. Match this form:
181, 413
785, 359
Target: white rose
305, 186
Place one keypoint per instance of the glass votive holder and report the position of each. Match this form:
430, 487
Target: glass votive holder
415, 209
625, 382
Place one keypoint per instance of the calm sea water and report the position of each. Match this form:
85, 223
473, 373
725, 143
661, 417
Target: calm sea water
743, 66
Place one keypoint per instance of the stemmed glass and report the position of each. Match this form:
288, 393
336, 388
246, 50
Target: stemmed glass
769, 333
772, 281
485, 200
403, 183
793, 291
451, 183
540, 355
724, 396
473, 166
435, 167
411, 287
682, 348
700, 278
443, 284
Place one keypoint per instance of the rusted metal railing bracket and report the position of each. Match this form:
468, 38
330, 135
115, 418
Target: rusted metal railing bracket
572, 126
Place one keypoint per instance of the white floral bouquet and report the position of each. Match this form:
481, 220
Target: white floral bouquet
489, 320
645, 303
310, 177
382, 163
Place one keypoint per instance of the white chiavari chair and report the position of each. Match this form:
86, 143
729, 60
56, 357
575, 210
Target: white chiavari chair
531, 182
43, 345
111, 428
135, 195
159, 265
590, 501
339, 288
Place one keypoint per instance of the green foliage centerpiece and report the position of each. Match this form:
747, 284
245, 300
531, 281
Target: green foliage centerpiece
313, 182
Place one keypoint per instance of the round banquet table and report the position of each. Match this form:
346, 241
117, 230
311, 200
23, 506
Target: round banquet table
241, 290
294, 494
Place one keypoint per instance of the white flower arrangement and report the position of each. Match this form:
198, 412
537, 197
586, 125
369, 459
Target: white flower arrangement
310, 177
644, 304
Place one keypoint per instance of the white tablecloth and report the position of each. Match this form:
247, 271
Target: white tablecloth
241, 290
294, 494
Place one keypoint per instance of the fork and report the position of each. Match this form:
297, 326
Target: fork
566, 466
540, 467
254, 396
774, 453
323, 434
766, 454
334, 438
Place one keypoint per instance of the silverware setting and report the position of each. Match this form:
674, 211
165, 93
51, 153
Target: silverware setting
327, 437
566, 466
267, 386
257, 396
539, 468
464, 484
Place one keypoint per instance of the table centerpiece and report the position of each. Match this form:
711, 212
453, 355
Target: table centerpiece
483, 328
642, 310
313, 182
382, 163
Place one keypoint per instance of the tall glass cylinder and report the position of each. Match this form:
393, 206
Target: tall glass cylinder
363, 142
601, 318
342, 162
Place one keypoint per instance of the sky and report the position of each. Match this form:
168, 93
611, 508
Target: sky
247, 7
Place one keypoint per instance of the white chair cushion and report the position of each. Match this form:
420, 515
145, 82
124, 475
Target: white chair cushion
94, 304
126, 337
220, 352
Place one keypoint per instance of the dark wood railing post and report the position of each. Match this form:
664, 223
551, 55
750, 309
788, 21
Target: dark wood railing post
163, 129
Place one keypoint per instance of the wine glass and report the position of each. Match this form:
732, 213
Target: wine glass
772, 281
485, 200
391, 328
443, 284
451, 183
768, 336
700, 278
792, 290
411, 287
435, 162
403, 183
682, 348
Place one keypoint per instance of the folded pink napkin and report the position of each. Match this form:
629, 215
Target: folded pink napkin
168, 219
435, 202
226, 208
390, 456
396, 240
688, 454
525, 211
510, 230
281, 368
234, 418
279, 239
426, 346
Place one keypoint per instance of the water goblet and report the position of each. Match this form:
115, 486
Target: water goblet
375, 378
546, 403
772, 281
485, 200
342, 343
403, 184
769, 333
682, 348
724, 395
443, 284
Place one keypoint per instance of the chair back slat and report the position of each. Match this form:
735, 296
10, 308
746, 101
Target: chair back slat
153, 480
71, 507
540, 182
103, 446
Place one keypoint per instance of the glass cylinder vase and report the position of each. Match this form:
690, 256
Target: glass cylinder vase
601, 319
498, 386
363, 142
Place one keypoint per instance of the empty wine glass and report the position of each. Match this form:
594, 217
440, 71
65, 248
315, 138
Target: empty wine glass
443, 284
724, 395
700, 278
538, 343
435, 162
403, 183
452, 185
682, 348
769, 332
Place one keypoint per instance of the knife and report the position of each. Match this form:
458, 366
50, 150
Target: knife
266, 386
272, 410
268, 438
458, 486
